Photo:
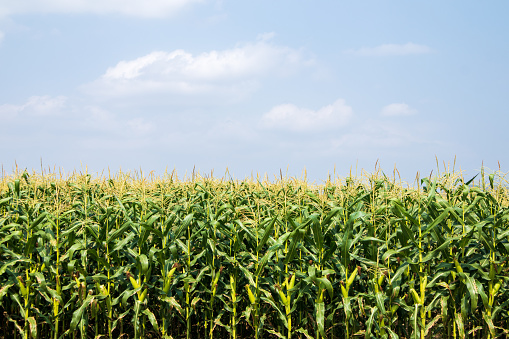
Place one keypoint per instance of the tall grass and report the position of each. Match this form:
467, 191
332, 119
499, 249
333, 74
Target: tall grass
366, 256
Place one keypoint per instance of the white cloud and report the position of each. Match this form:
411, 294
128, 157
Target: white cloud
291, 117
391, 50
2, 35
398, 109
78, 123
233, 70
35, 106
146, 8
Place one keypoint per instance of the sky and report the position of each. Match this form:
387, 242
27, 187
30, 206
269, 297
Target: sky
254, 86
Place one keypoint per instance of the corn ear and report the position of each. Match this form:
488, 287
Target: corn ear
497, 286
292, 282
250, 294
380, 279
134, 282
171, 272
283, 297
22, 288
350, 280
143, 295
416, 297
167, 283
458, 266
344, 291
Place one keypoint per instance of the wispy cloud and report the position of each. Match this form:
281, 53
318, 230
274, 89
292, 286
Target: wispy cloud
35, 106
398, 109
147, 8
391, 50
2, 35
294, 118
233, 70
44, 121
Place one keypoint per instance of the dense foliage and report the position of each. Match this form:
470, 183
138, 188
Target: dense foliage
203, 258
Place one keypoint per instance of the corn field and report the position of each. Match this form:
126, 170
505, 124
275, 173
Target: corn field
126, 256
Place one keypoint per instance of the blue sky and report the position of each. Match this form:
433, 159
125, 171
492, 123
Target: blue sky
255, 86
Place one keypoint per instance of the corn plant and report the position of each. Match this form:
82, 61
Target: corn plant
145, 257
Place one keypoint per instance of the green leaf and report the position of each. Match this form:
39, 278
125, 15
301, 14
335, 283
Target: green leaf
122, 243
319, 282
38, 220
144, 263
391, 333
271, 302
304, 332
345, 247
414, 322
78, 314
33, 327
174, 303
5, 201
461, 327
317, 232
472, 290
185, 223
404, 213
320, 317
11, 263
483, 295
263, 262
269, 229
127, 294
121, 231
437, 221
369, 323
296, 238
347, 308
380, 302
430, 324
436, 252
277, 334
151, 318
